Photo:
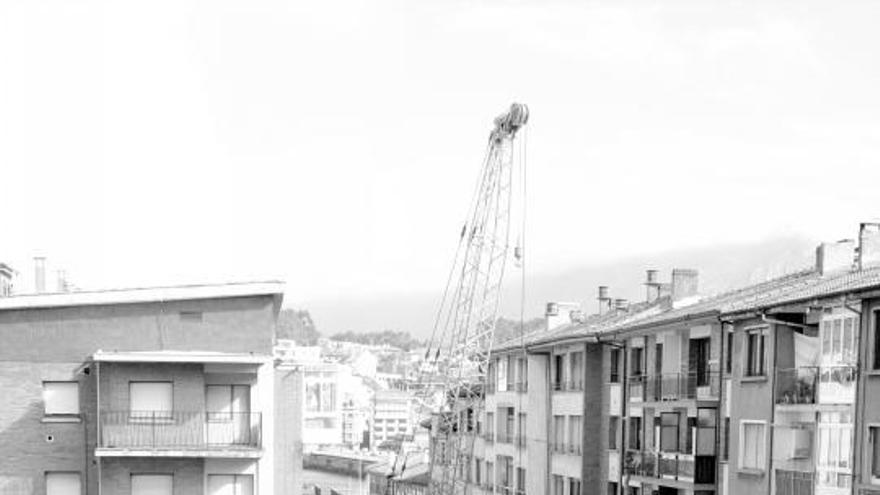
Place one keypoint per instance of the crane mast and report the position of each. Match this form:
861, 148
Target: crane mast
469, 316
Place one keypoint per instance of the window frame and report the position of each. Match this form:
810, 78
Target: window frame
614, 366
133, 413
875, 323
761, 454
47, 474
61, 416
874, 453
748, 372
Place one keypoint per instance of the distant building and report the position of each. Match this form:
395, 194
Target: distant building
157, 391
322, 423
6, 275
392, 416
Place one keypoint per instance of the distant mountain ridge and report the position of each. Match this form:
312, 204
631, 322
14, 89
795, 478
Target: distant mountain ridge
721, 267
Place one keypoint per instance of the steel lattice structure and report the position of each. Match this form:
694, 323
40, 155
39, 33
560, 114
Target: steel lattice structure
470, 316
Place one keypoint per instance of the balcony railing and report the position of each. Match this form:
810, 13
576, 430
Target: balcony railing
794, 482
797, 385
670, 465
504, 437
813, 384
675, 386
180, 430
568, 386
522, 387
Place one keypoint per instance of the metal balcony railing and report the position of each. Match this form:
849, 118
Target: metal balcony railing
814, 384
670, 465
797, 385
675, 386
180, 430
794, 482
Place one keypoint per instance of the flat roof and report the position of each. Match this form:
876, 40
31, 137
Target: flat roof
142, 295
178, 357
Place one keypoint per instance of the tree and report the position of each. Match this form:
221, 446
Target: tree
298, 326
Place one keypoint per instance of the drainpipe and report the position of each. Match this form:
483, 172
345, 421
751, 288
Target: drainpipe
98, 419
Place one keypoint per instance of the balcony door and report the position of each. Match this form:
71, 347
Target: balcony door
230, 484
228, 414
698, 364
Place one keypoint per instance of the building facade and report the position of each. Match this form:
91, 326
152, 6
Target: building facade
769, 389
147, 391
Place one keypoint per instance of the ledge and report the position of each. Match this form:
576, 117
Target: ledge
754, 379
215, 453
61, 419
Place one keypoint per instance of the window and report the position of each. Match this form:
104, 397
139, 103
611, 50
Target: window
755, 353
725, 453
58, 483
502, 374
574, 433
574, 486
728, 356
752, 440
490, 473
558, 371
230, 484
224, 402
490, 424
637, 361
669, 432
558, 485
613, 426
635, 433
615, 366
612, 488
558, 432
511, 372
839, 339
520, 480
61, 398
505, 471
875, 454
191, 316
522, 428
576, 376
152, 484
477, 475
877, 340
150, 399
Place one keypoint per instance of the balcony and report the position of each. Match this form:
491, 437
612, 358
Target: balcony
566, 448
794, 483
673, 466
504, 437
815, 385
180, 434
488, 437
568, 386
522, 387
675, 386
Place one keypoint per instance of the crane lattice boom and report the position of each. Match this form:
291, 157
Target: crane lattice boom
470, 315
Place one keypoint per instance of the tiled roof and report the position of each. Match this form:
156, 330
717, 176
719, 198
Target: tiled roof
795, 287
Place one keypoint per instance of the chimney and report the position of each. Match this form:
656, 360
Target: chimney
39, 274
63, 286
869, 245
684, 283
558, 314
834, 257
652, 285
604, 300
621, 305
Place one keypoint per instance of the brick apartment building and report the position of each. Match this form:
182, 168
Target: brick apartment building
770, 389
155, 391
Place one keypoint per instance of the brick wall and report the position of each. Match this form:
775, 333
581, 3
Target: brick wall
116, 474
29, 446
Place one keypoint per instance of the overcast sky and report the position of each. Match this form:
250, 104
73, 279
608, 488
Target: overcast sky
335, 143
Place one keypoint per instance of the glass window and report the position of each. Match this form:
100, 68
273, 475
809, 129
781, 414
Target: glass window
152, 484
576, 377
613, 426
558, 432
635, 433
615, 366
520, 480
63, 484
752, 441
574, 432
729, 353
755, 355
612, 488
669, 432
875, 454
574, 486
230, 484
61, 398
637, 361
151, 399
558, 485
877, 340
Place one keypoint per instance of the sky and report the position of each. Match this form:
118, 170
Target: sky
334, 144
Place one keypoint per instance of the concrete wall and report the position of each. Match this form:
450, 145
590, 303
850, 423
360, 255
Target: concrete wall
594, 478
288, 431
73, 334
538, 475
868, 397
751, 399
116, 474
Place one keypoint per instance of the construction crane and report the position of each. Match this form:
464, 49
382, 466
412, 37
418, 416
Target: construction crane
467, 316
